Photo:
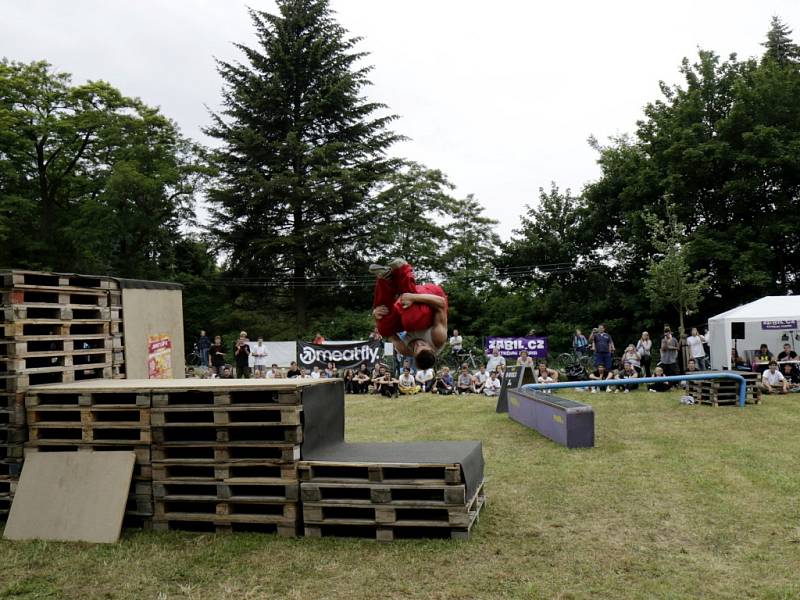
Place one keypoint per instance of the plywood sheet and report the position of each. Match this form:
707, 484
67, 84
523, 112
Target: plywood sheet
71, 496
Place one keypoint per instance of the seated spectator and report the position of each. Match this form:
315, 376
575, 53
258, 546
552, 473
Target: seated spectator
315, 373
659, 386
226, 373
543, 376
495, 359
553, 373
613, 376
330, 371
444, 382
407, 384
737, 362
349, 381
464, 383
524, 360
501, 371
787, 353
293, 371
632, 356
479, 380
773, 381
763, 354
425, 379
361, 380
385, 384
792, 375
599, 374
492, 385
303, 374
629, 372
275, 372
691, 367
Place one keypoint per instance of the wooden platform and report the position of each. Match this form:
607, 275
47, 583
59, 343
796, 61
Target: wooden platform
408, 473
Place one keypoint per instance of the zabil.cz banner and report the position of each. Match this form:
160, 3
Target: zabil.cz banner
510, 347
345, 356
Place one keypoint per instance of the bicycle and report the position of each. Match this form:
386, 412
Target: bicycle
193, 359
575, 364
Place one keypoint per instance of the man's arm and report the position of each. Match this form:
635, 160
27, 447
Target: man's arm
400, 346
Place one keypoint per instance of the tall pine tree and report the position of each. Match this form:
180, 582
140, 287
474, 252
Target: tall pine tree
779, 45
302, 151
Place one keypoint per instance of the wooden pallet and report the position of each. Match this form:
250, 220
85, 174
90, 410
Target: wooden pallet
53, 313
202, 509
189, 397
13, 383
12, 417
396, 473
223, 526
45, 399
420, 513
56, 361
391, 532
231, 415
89, 416
11, 451
224, 452
12, 435
108, 433
189, 491
374, 493
43, 329
21, 278
10, 468
239, 471
142, 468
23, 296
22, 345
234, 432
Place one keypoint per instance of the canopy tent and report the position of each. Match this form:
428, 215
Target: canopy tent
771, 320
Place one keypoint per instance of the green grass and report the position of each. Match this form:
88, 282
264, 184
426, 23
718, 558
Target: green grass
674, 502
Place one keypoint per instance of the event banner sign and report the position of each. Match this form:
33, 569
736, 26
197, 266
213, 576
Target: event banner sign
510, 347
773, 325
345, 356
159, 357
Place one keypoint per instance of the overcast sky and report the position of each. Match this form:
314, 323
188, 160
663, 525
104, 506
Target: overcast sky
499, 95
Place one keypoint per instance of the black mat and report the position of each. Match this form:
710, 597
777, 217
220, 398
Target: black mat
323, 416
468, 454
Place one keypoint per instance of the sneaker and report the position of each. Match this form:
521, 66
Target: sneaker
608, 390
625, 391
397, 263
380, 271
655, 392
594, 390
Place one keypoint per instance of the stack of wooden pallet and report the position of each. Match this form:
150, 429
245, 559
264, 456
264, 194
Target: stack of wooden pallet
225, 458
725, 391
61, 418
55, 328
387, 501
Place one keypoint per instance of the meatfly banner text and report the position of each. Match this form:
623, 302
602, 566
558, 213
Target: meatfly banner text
346, 356
510, 347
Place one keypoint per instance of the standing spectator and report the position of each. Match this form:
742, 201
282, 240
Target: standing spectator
773, 381
579, 343
216, 358
318, 339
479, 380
464, 383
495, 359
406, 384
374, 335
408, 364
444, 382
669, 352
456, 343
203, 346
603, 347
524, 360
242, 357
293, 371
696, 350
425, 378
259, 352
644, 347
631, 356
492, 386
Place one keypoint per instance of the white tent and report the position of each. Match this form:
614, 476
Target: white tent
770, 320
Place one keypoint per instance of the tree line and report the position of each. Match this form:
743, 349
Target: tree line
695, 211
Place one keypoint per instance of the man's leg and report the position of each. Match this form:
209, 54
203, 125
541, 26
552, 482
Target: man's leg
386, 295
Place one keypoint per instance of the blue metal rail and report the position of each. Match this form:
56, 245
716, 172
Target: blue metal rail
606, 382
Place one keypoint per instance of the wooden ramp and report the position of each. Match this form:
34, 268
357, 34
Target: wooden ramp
71, 496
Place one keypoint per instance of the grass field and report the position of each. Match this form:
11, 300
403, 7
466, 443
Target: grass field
674, 502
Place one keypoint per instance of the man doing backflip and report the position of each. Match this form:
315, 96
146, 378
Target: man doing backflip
419, 310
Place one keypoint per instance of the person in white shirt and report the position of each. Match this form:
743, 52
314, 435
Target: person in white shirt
696, 350
425, 378
407, 384
303, 374
773, 381
315, 374
479, 380
543, 376
456, 342
492, 386
495, 359
259, 354
275, 372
